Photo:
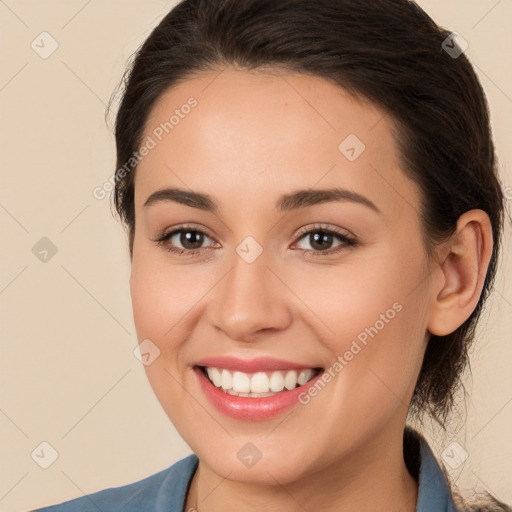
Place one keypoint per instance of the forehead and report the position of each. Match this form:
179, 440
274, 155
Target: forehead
269, 130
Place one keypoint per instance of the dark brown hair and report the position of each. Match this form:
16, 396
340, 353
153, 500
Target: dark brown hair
388, 51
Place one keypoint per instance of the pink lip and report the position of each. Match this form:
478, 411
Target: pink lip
261, 364
252, 409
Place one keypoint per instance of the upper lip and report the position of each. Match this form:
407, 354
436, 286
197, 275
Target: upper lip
259, 364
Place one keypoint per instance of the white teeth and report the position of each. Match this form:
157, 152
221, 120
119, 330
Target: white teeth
215, 376
290, 381
276, 382
257, 384
260, 383
241, 382
254, 395
226, 380
303, 377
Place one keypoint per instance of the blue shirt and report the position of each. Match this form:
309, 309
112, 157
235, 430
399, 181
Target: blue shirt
166, 491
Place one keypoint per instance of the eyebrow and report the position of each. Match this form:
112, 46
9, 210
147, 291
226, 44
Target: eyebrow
288, 202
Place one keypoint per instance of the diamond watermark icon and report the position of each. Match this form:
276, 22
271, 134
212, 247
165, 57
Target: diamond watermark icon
44, 250
146, 352
455, 45
249, 249
454, 455
44, 455
44, 45
351, 147
249, 455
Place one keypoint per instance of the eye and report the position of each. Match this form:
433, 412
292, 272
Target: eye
321, 239
188, 240
191, 240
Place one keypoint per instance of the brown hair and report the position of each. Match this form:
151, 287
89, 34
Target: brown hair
389, 51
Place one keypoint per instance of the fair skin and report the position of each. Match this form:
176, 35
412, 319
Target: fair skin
252, 138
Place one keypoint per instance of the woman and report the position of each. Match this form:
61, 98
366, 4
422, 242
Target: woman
314, 222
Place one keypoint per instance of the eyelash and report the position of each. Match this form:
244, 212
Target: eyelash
346, 240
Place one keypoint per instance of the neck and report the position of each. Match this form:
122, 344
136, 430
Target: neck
374, 478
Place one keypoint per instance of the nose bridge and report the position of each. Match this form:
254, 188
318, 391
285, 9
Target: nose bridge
250, 297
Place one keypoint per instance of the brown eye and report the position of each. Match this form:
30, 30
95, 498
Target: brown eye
189, 239
184, 241
321, 241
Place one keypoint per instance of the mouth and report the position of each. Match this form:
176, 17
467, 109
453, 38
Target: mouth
259, 389
258, 384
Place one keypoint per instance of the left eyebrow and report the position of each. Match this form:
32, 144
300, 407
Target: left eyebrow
305, 198
294, 201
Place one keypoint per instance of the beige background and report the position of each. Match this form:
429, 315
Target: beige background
68, 374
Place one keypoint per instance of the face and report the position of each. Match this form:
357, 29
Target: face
266, 279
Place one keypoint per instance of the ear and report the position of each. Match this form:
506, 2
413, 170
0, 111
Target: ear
463, 265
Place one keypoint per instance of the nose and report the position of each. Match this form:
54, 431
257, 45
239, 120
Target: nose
249, 301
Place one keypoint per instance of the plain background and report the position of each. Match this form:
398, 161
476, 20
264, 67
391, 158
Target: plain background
68, 373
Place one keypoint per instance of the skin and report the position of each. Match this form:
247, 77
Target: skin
253, 137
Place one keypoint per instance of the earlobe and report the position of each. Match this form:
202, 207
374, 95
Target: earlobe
464, 266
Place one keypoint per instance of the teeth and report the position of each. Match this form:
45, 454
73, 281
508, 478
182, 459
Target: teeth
290, 381
276, 382
226, 380
241, 383
215, 376
257, 384
304, 376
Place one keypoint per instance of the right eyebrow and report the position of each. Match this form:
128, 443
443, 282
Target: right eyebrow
186, 197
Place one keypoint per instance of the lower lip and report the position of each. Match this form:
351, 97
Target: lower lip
253, 409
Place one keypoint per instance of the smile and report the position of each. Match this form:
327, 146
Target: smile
252, 390
259, 384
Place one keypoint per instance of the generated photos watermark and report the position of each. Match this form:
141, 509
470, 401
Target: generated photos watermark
150, 143
357, 345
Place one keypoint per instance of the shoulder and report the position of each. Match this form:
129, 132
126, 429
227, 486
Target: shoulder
435, 490
163, 491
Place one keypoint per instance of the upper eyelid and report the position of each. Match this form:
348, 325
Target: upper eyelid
318, 227
306, 230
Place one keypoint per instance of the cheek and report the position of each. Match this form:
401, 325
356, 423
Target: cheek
379, 374
162, 295
159, 302
362, 295
374, 314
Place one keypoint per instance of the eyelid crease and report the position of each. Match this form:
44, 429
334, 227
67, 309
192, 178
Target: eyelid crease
348, 240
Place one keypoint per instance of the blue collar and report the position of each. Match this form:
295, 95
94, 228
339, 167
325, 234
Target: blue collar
166, 491
434, 490
433, 487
